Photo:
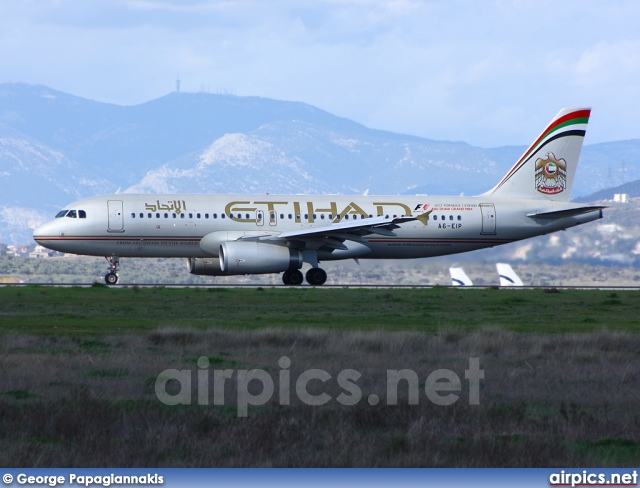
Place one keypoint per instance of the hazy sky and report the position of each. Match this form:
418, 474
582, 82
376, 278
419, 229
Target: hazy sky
486, 72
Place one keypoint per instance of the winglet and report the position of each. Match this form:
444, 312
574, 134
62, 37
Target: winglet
424, 217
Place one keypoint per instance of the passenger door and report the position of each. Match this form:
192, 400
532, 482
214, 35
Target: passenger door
488, 218
116, 217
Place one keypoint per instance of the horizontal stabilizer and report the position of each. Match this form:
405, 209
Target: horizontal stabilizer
569, 212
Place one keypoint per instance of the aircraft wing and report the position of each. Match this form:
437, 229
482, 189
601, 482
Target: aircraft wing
374, 225
353, 230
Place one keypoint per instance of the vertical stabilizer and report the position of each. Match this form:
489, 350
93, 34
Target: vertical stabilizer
459, 277
508, 276
546, 170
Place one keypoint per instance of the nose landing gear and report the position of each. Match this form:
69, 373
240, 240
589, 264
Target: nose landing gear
111, 278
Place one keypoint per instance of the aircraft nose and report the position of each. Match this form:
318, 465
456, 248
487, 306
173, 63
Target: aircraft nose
43, 231
39, 231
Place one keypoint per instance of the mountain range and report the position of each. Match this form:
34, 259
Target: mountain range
56, 148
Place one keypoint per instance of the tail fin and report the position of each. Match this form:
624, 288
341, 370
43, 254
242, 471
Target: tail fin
508, 276
546, 170
459, 277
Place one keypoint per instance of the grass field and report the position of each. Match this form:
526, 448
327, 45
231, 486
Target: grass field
102, 310
79, 368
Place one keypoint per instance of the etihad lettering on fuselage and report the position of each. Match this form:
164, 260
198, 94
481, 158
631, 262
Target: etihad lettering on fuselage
176, 206
238, 210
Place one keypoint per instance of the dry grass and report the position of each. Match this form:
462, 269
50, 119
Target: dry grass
546, 400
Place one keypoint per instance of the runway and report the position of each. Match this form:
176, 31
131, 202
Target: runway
549, 289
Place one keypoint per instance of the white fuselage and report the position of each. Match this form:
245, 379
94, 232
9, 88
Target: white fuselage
173, 225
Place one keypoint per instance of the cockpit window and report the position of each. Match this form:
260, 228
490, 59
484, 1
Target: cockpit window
82, 214
72, 214
61, 213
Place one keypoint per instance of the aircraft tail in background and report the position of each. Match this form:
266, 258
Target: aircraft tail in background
459, 277
508, 276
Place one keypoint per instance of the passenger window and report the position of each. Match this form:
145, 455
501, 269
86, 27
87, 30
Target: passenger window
298, 216
330, 216
182, 216
290, 216
72, 214
149, 215
370, 216
459, 217
314, 216
322, 216
306, 216
246, 216
361, 216
198, 215
215, 216
157, 216
82, 214
222, 216
133, 215
206, 216
166, 216
281, 216
61, 213
190, 215
346, 217
174, 215
141, 215
450, 217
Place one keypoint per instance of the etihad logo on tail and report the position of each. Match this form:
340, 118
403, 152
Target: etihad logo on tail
551, 175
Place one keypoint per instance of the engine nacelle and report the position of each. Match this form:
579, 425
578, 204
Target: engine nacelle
210, 244
251, 257
204, 266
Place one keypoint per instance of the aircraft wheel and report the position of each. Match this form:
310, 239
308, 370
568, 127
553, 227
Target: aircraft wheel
286, 277
292, 277
316, 276
111, 278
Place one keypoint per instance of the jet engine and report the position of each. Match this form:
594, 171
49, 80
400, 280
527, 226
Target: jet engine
250, 257
204, 266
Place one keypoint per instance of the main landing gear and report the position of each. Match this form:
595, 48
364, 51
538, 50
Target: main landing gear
111, 278
315, 277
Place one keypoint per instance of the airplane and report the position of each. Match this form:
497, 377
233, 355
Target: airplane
508, 276
459, 277
222, 235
